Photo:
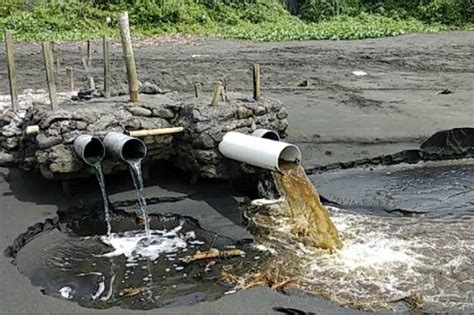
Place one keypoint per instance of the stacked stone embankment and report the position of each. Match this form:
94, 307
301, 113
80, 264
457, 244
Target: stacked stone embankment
194, 150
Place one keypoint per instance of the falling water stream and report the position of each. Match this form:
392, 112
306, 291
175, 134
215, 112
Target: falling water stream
136, 171
100, 178
308, 217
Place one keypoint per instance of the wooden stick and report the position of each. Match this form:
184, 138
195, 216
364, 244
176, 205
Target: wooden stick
223, 93
91, 83
89, 53
11, 69
83, 59
129, 57
213, 254
48, 62
216, 93
106, 49
280, 285
70, 79
58, 61
256, 82
155, 132
224, 90
197, 90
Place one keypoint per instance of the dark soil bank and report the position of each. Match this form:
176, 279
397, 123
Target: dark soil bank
339, 116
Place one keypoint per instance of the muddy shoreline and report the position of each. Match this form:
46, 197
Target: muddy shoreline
340, 117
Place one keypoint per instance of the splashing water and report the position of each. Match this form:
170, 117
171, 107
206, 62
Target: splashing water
136, 171
385, 259
135, 245
129, 269
423, 261
100, 178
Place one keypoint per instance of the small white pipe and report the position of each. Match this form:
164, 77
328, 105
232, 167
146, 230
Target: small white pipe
260, 152
32, 130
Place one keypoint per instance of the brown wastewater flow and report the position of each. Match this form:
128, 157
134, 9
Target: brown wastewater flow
310, 218
420, 260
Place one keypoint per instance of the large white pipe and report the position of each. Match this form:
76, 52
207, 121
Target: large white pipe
256, 151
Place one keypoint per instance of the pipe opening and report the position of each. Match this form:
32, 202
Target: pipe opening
133, 150
289, 155
271, 135
94, 151
266, 134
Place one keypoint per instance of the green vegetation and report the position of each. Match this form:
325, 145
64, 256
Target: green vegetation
245, 19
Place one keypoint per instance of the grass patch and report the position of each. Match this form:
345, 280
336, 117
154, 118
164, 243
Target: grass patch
261, 20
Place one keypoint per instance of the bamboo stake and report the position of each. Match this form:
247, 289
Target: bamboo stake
226, 85
11, 69
58, 61
70, 79
216, 93
197, 90
83, 60
256, 82
48, 62
224, 97
89, 53
129, 57
106, 49
91, 83
155, 132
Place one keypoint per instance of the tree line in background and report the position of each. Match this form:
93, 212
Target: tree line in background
439, 11
73, 19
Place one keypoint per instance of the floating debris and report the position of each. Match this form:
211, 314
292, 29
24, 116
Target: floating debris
213, 253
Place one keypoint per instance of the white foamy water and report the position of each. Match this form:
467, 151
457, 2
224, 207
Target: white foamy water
385, 259
137, 245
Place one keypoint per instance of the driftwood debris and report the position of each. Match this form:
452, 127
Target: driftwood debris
128, 292
212, 254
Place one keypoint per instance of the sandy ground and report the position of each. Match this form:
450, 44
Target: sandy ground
339, 117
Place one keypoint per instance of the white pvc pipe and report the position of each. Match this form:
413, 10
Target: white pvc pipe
260, 152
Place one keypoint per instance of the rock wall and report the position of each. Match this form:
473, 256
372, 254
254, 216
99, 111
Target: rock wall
197, 149
194, 150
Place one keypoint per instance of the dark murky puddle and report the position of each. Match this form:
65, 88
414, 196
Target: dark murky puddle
437, 189
77, 261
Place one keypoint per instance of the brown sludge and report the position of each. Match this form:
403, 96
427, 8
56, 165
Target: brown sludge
310, 218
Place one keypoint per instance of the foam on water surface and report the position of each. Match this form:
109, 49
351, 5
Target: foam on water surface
385, 259
138, 245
